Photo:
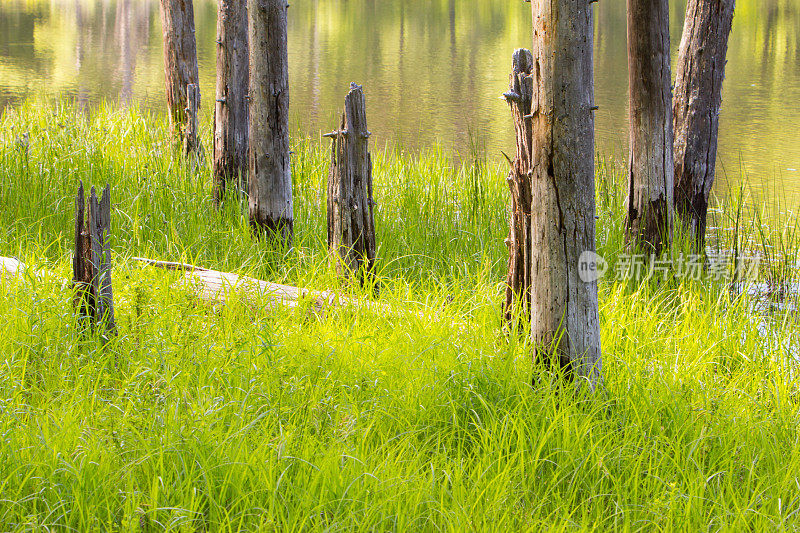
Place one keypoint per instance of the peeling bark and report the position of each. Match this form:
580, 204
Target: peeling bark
565, 325
650, 171
230, 110
269, 177
696, 105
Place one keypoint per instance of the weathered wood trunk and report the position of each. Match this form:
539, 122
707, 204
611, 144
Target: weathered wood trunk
180, 58
269, 176
650, 170
91, 264
351, 222
230, 111
565, 325
696, 104
191, 143
518, 279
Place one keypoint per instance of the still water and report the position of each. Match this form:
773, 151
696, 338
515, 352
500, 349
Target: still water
432, 71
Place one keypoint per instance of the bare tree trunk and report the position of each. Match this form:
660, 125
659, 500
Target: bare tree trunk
230, 111
565, 325
270, 176
698, 98
190, 139
518, 279
650, 172
351, 222
180, 58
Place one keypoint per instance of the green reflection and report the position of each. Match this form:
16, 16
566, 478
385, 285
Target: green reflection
432, 70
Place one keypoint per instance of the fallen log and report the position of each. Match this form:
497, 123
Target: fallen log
10, 266
216, 286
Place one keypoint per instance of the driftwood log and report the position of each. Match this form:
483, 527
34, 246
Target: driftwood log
518, 280
217, 287
91, 262
351, 221
10, 267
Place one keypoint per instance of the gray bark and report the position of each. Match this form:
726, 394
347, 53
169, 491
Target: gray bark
565, 326
518, 279
650, 171
351, 222
696, 105
190, 140
180, 58
91, 263
230, 111
269, 177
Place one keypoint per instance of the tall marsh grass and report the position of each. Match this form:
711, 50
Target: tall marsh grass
232, 417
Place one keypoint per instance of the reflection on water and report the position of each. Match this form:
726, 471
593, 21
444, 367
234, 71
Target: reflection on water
432, 70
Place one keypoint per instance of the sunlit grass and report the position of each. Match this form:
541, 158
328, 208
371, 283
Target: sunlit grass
233, 417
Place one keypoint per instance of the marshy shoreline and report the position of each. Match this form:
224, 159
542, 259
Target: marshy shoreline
229, 417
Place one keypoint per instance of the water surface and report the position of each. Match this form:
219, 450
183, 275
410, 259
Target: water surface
432, 71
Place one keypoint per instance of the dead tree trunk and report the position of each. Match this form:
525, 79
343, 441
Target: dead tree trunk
180, 59
230, 111
351, 222
518, 279
650, 171
698, 98
269, 176
91, 264
190, 140
565, 325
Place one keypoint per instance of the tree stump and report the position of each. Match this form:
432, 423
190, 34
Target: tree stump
651, 171
565, 323
269, 176
696, 105
180, 59
91, 264
230, 111
351, 222
518, 280
190, 140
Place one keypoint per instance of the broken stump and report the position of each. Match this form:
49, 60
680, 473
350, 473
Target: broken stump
351, 221
91, 264
190, 139
518, 280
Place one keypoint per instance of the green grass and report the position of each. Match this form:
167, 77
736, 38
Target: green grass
232, 417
